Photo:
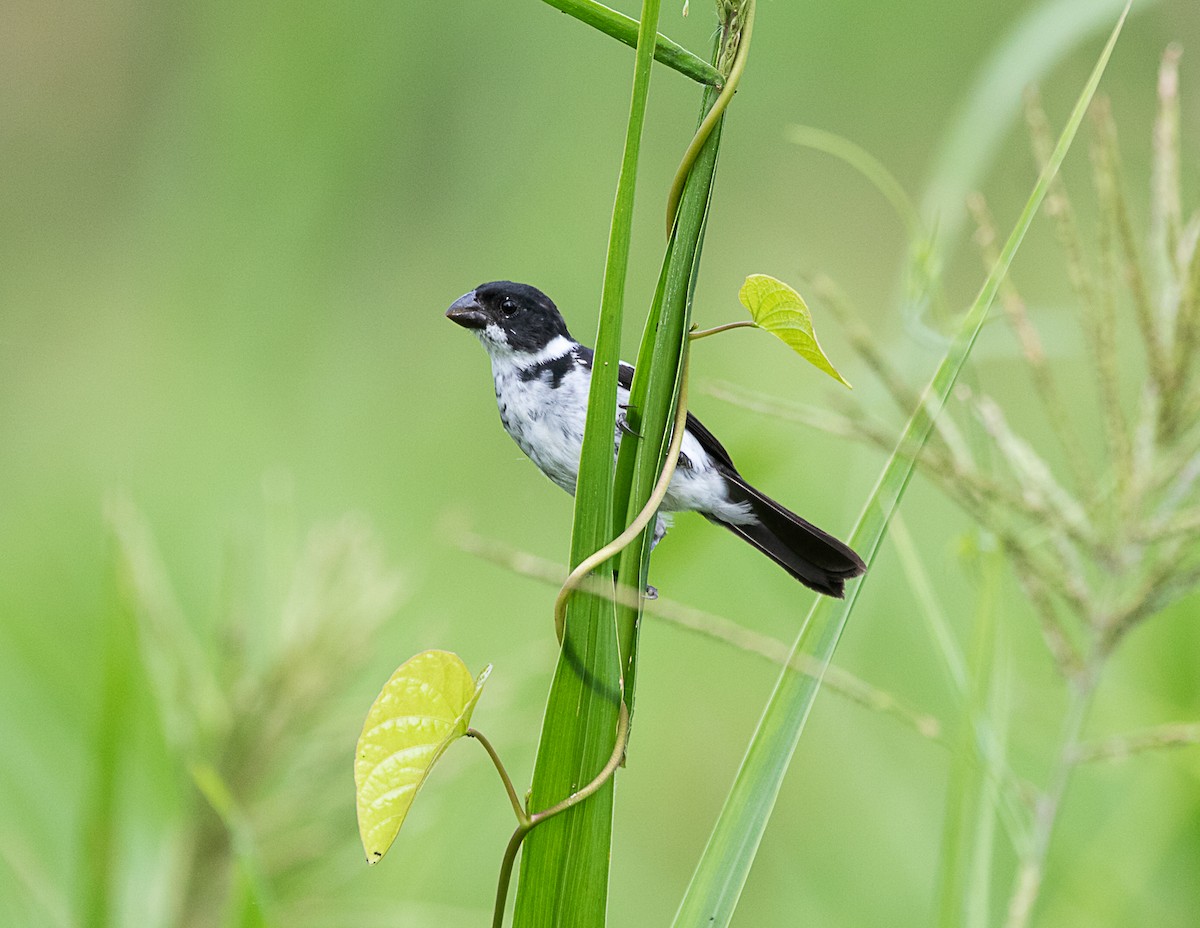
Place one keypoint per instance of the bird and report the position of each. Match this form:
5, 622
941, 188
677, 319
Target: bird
542, 378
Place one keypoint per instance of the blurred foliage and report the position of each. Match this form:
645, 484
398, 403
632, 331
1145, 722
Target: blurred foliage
229, 233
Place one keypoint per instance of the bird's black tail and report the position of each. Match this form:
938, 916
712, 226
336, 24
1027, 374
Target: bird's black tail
815, 558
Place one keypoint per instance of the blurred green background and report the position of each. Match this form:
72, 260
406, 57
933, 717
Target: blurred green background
229, 234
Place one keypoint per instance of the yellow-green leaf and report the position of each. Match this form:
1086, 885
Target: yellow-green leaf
780, 310
425, 706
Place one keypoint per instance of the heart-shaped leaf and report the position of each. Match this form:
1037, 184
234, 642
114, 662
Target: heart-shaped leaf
426, 705
780, 310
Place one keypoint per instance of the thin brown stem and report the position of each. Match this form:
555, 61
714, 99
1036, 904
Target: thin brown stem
506, 868
1164, 737
710, 625
1017, 314
1135, 278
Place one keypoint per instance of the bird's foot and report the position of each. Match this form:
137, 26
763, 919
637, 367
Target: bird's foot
623, 423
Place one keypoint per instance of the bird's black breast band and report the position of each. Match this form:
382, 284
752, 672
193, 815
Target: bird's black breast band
556, 368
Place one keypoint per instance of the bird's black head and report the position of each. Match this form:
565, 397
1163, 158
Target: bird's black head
505, 315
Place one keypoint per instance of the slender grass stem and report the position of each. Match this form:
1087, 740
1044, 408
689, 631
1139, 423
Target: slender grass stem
866, 345
870, 168
1031, 866
712, 626
1164, 737
980, 729
1031, 347
625, 29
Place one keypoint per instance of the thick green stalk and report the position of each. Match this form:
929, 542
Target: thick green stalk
564, 867
661, 356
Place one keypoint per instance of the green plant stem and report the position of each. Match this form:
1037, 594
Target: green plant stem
254, 898
711, 626
654, 391
870, 167
720, 876
99, 818
500, 769
1035, 355
526, 822
649, 511
704, 333
1032, 863
865, 344
565, 867
625, 29
601, 778
506, 868
1183, 734
712, 117
987, 744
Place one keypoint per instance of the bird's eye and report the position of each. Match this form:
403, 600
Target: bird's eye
508, 306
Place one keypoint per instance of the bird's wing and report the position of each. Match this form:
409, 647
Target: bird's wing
708, 441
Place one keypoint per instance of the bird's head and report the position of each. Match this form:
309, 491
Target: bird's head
509, 317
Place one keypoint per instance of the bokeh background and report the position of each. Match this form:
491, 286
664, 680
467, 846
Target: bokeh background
232, 414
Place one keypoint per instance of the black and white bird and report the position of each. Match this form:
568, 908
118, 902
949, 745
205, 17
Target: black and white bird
542, 378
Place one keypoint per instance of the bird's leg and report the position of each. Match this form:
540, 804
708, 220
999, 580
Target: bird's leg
661, 524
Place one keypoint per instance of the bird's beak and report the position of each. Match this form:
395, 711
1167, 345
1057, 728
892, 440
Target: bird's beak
467, 312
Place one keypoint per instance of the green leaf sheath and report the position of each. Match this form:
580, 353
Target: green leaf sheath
721, 874
656, 385
564, 863
625, 29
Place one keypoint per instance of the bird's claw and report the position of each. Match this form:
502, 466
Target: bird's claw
624, 426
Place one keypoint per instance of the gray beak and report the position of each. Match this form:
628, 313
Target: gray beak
467, 312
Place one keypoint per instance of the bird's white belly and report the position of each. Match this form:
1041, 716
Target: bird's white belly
547, 424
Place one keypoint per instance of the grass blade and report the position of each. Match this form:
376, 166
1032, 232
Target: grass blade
973, 794
1047, 34
564, 864
100, 812
721, 873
